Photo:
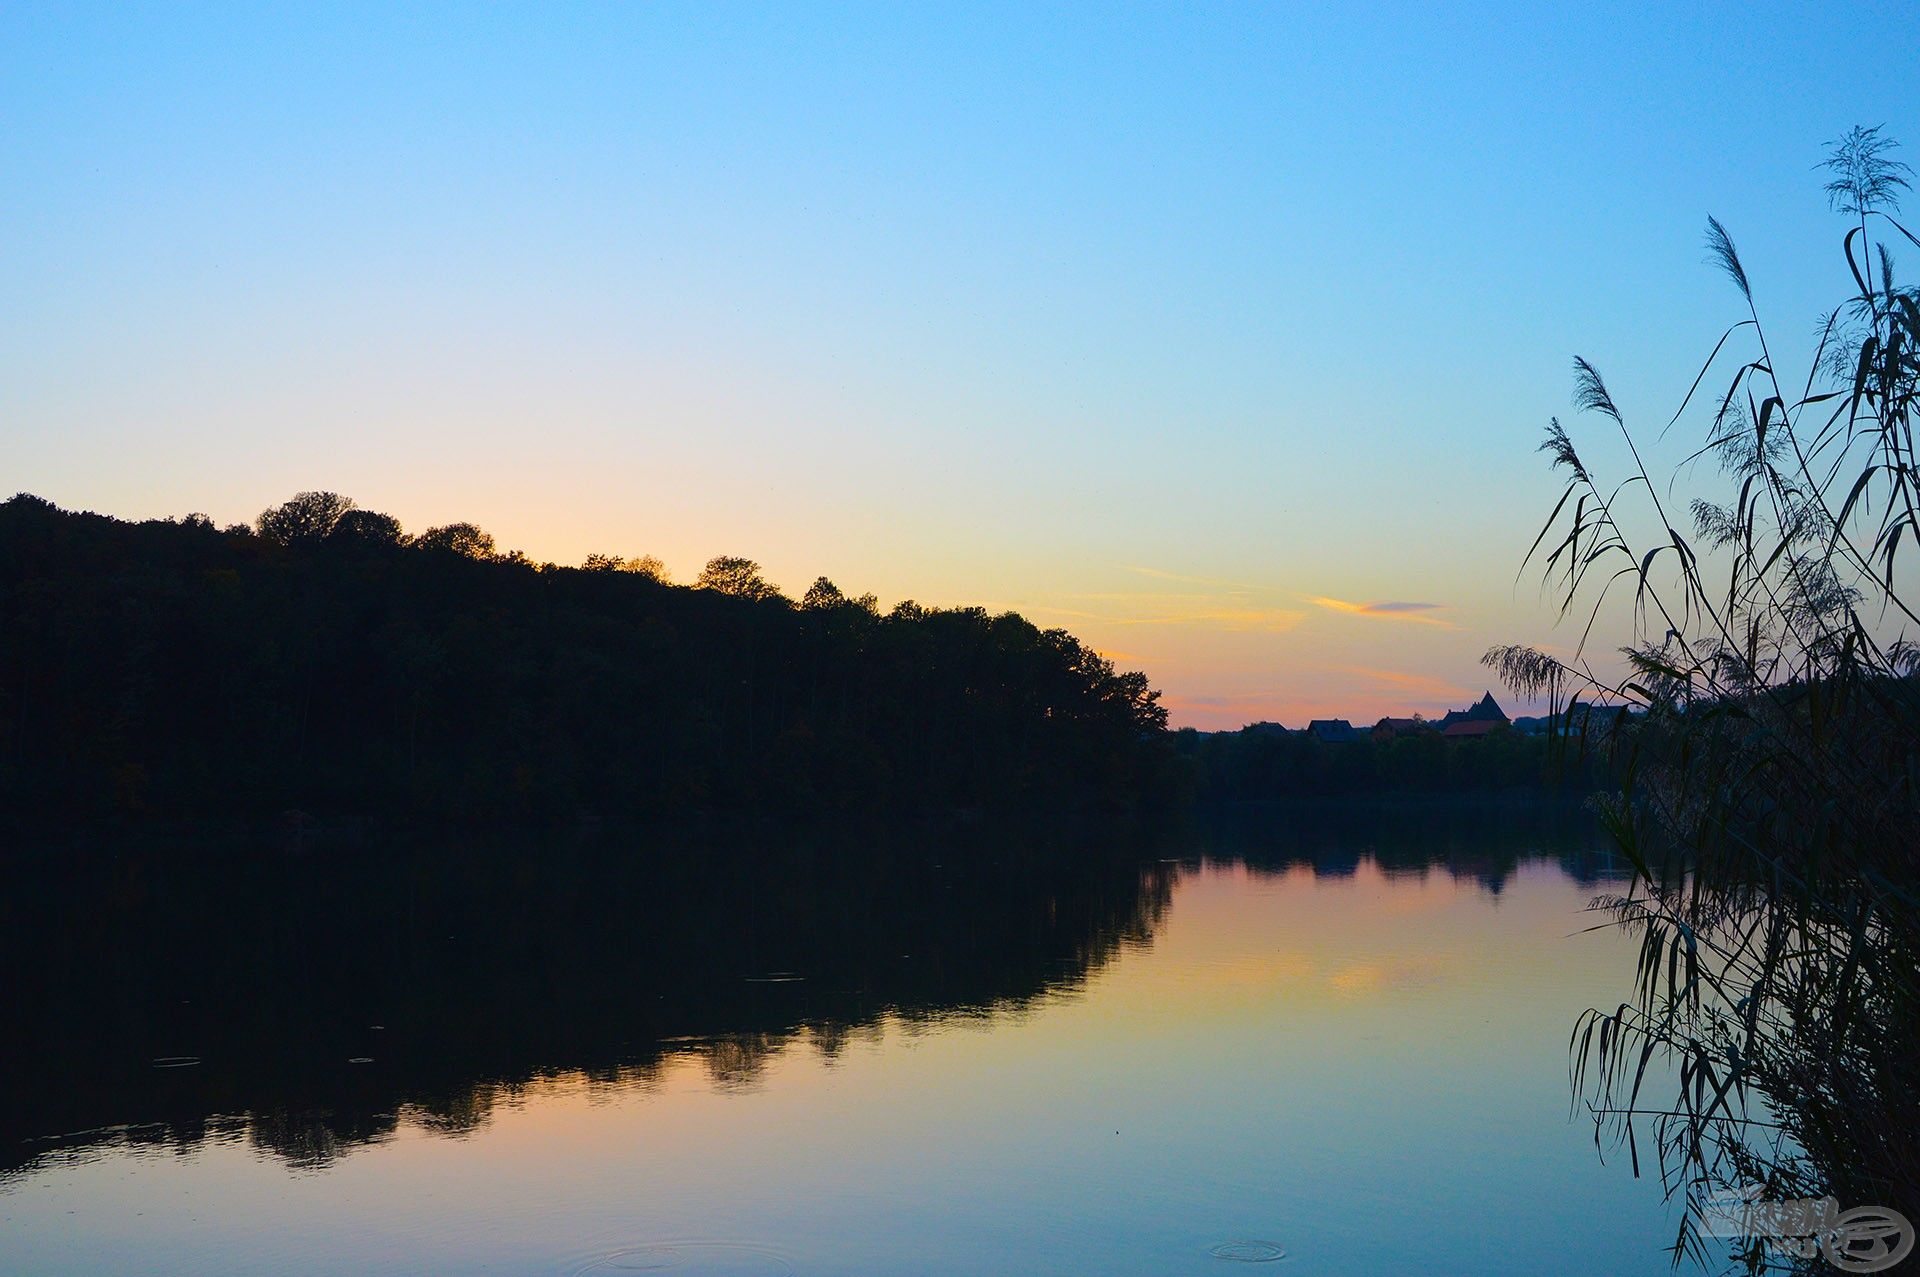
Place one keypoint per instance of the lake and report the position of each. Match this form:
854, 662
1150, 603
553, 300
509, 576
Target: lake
1335, 1033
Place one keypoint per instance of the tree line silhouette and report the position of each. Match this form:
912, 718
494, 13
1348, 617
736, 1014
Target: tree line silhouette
322, 661
1257, 764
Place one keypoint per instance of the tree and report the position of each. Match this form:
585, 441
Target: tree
646, 565
650, 567
367, 527
308, 517
728, 574
464, 539
822, 594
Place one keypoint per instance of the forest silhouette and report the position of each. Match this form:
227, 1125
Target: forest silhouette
321, 663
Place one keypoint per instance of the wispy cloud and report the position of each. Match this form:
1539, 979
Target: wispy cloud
1423, 686
1268, 620
1388, 611
1136, 596
1232, 606
1262, 699
1235, 586
1271, 620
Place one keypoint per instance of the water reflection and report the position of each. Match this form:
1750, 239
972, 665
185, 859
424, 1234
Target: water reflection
1143, 1048
304, 1002
1485, 842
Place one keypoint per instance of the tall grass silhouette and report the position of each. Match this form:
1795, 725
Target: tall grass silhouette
1766, 723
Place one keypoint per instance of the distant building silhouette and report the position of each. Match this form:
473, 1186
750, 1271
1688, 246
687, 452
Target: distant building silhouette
1485, 710
1393, 728
1482, 717
1485, 716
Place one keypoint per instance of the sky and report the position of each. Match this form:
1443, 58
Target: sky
1221, 335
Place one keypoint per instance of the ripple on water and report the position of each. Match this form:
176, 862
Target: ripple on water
176, 1062
775, 977
723, 1259
1248, 1252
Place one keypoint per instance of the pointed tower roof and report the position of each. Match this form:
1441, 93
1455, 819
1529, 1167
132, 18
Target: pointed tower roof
1487, 710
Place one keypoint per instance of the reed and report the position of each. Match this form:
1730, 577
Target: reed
1766, 723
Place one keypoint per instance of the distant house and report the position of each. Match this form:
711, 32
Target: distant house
1264, 728
1332, 731
1484, 716
1393, 728
1485, 710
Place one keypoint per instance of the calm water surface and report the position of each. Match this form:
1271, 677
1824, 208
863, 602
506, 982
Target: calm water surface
1338, 1036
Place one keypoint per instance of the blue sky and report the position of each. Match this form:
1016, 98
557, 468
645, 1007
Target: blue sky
1196, 330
